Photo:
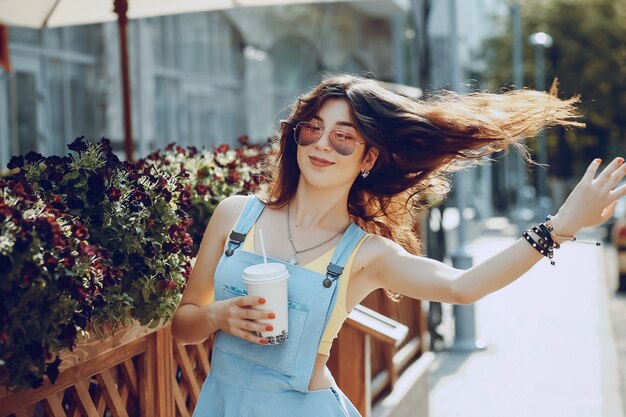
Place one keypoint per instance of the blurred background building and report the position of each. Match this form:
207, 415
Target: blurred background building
207, 78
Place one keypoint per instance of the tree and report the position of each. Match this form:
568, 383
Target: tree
588, 57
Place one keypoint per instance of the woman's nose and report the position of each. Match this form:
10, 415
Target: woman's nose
324, 141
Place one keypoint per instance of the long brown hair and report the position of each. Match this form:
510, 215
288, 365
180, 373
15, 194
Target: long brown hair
420, 143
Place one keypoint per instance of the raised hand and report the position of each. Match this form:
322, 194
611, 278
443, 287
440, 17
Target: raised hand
593, 200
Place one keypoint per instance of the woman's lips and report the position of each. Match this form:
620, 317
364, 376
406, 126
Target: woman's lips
319, 162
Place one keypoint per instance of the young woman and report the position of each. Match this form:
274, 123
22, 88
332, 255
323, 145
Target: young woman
350, 165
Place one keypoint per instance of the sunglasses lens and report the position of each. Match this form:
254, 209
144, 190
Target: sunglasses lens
343, 142
307, 133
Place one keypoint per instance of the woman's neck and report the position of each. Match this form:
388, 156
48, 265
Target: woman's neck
319, 208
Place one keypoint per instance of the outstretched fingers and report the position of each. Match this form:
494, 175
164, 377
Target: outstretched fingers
592, 169
606, 175
619, 192
617, 175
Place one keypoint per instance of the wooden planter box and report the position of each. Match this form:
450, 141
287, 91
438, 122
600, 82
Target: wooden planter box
135, 372
143, 372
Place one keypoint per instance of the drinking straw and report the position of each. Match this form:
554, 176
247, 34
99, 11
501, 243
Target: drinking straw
262, 246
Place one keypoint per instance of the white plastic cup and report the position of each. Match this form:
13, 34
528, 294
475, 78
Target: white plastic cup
270, 282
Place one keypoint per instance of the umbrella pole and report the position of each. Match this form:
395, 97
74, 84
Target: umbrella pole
121, 7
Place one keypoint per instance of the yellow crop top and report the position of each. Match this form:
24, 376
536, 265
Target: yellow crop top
339, 313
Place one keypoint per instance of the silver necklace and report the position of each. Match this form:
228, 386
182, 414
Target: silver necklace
294, 258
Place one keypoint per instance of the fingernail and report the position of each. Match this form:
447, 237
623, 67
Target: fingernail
263, 342
598, 160
620, 160
269, 328
271, 316
261, 300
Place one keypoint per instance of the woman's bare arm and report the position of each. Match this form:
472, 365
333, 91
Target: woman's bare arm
197, 315
591, 203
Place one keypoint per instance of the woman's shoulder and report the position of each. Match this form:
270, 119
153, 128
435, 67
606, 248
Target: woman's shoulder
373, 248
228, 210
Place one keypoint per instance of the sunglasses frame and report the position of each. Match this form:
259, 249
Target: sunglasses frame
295, 137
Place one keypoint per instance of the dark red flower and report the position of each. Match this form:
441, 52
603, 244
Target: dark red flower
185, 200
86, 249
80, 232
105, 145
50, 261
243, 140
78, 145
222, 148
202, 189
114, 194
169, 247
154, 156
69, 262
16, 162
234, 176
33, 157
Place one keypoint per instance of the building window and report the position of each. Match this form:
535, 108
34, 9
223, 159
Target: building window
52, 91
198, 80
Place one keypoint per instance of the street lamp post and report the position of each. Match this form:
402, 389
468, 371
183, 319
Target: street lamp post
522, 213
540, 41
464, 315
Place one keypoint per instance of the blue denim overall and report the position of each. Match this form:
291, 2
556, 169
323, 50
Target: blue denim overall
253, 380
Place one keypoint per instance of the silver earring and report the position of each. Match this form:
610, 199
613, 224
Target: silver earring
364, 174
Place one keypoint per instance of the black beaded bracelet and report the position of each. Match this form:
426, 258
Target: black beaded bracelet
543, 250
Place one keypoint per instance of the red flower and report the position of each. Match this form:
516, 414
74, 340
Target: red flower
69, 262
185, 200
86, 249
234, 176
80, 232
50, 261
202, 189
222, 148
114, 194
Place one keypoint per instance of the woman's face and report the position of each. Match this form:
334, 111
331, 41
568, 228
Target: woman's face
319, 163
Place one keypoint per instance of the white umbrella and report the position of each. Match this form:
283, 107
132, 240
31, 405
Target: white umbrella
51, 13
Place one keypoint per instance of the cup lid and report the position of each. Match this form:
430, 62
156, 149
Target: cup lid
264, 271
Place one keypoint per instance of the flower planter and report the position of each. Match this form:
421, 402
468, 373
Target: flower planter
120, 374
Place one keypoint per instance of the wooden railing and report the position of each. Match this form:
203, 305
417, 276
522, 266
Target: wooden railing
143, 372
373, 349
137, 372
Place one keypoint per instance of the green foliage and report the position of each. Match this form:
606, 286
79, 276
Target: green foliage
588, 57
89, 243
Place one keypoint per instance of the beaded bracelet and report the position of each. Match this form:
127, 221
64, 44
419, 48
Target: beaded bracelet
548, 239
548, 225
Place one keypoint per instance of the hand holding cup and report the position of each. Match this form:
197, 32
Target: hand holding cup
240, 317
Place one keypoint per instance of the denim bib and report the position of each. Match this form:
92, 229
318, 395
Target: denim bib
311, 299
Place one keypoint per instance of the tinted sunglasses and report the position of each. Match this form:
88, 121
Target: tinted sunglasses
342, 141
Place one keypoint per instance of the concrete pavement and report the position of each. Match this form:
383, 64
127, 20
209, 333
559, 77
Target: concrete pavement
551, 349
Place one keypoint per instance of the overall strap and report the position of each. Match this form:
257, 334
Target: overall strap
341, 255
249, 215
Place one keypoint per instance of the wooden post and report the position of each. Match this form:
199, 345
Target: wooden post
350, 360
121, 7
165, 368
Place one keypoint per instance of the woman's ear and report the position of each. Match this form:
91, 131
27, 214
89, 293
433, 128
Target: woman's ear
370, 159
